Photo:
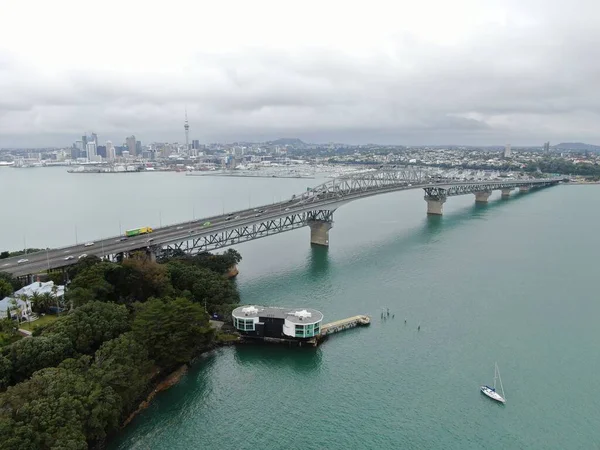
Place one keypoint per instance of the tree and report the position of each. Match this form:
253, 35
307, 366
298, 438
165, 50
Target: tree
60, 407
122, 364
88, 326
8, 332
82, 264
141, 279
58, 277
5, 372
90, 284
15, 283
217, 263
32, 354
172, 330
6, 288
206, 286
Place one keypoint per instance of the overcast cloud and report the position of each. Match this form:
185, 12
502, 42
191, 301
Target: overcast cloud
403, 72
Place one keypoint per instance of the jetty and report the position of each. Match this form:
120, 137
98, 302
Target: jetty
344, 324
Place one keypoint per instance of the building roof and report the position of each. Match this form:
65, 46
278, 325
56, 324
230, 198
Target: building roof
39, 288
294, 315
6, 303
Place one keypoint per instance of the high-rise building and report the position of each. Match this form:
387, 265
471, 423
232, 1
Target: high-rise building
195, 144
91, 151
546, 146
94, 138
507, 151
138, 147
131, 147
110, 151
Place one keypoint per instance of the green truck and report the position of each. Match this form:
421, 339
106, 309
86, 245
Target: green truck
138, 231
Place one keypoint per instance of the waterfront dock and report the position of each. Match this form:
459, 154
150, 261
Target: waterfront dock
344, 324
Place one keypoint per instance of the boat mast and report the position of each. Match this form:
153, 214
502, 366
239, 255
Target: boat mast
495, 374
500, 378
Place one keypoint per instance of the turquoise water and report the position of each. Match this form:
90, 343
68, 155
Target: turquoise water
513, 282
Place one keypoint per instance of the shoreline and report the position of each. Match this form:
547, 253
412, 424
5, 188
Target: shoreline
247, 175
163, 383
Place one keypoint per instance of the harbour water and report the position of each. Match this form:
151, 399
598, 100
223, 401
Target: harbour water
512, 282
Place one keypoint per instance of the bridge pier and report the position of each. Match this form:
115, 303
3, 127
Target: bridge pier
319, 232
151, 255
482, 196
524, 188
506, 192
435, 206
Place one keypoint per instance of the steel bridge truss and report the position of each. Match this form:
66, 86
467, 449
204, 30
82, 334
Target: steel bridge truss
364, 182
245, 233
443, 191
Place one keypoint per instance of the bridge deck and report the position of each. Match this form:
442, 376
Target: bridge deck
253, 223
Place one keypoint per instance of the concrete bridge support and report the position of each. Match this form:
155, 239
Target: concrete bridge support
482, 197
435, 206
319, 232
524, 188
506, 192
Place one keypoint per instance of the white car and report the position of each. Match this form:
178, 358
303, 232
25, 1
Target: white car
69, 257
88, 244
21, 261
82, 256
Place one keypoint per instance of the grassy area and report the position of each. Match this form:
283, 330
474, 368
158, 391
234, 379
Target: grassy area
226, 337
43, 320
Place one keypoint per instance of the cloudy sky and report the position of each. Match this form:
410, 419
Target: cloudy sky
404, 72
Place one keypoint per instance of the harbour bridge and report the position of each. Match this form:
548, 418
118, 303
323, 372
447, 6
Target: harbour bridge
313, 208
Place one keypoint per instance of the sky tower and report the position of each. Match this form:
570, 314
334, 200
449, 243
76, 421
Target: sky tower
186, 127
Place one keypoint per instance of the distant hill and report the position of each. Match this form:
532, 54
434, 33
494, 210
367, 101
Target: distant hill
579, 146
288, 141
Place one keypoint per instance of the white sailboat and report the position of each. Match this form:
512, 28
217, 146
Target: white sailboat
491, 391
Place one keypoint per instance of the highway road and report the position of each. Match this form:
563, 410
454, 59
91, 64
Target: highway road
65, 256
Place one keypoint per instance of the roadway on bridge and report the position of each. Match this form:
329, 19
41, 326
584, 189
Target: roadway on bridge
65, 256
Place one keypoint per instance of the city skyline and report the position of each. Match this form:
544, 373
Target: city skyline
433, 73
